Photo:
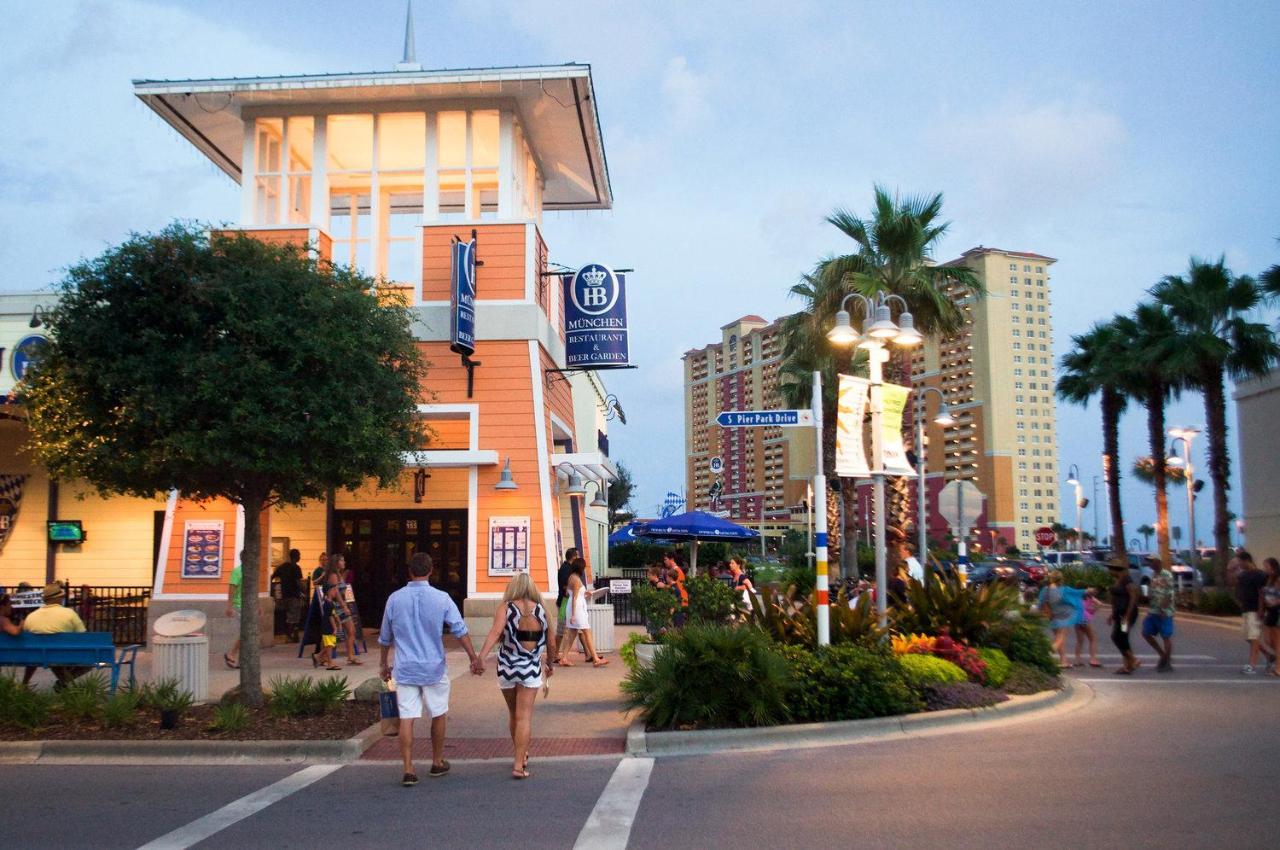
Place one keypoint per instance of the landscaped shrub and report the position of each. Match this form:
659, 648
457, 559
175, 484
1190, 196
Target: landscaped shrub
1025, 679
998, 666
964, 657
656, 607
847, 683
83, 698
301, 696
966, 612
231, 717
711, 676
1217, 603
627, 652
921, 670
801, 579
960, 695
791, 619
710, 600
121, 709
28, 708
1024, 639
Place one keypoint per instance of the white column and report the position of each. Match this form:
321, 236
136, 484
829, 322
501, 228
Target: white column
248, 181
470, 213
431, 174
876, 358
506, 165
377, 252
320, 174
819, 502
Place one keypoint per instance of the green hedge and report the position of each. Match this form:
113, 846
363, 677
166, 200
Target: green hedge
847, 683
923, 670
1024, 639
711, 676
998, 666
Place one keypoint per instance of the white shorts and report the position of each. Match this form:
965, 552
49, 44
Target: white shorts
410, 698
1251, 625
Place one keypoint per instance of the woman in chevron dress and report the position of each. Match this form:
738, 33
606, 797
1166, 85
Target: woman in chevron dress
520, 632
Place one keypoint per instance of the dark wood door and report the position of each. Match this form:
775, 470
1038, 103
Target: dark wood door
379, 543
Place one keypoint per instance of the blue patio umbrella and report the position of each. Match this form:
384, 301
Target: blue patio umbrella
695, 526
629, 533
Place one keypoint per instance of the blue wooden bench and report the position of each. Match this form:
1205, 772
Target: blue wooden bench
69, 649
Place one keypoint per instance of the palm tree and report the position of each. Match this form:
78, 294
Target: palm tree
1216, 339
1095, 366
894, 255
1146, 531
1151, 338
805, 351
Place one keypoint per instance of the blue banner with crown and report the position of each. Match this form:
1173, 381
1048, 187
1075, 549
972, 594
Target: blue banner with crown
595, 318
462, 297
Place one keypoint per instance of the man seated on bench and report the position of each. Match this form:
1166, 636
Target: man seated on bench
51, 619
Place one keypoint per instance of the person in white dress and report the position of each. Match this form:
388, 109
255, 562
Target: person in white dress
579, 623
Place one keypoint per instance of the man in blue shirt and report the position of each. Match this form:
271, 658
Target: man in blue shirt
413, 623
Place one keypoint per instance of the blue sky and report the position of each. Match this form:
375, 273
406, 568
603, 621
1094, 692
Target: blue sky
1119, 138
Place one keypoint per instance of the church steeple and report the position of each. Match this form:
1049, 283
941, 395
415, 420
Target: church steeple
410, 60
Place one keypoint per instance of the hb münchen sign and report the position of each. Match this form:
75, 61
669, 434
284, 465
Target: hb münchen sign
595, 318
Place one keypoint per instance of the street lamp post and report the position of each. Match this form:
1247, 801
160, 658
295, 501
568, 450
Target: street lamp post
946, 420
880, 331
1185, 436
1073, 478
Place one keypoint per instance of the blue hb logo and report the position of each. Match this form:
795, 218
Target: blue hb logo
594, 290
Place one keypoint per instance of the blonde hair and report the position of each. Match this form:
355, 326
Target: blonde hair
522, 586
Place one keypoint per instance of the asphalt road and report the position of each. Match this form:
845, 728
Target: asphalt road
1187, 759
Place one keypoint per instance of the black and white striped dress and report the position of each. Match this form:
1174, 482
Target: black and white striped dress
516, 664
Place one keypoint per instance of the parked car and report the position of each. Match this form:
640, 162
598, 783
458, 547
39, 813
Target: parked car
1061, 559
1185, 577
997, 569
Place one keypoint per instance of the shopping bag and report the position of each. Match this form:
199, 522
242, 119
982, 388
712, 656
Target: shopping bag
390, 711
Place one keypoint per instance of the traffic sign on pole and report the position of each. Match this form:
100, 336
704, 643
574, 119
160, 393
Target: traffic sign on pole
1045, 536
764, 418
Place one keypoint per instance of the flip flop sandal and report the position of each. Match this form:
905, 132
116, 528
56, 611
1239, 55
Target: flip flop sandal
1095, 663
232, 664
519, 774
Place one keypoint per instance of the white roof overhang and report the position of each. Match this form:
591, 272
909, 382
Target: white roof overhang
555, 104
592, 466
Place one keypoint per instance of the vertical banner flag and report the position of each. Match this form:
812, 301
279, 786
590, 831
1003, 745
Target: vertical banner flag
893, 452
10, 501
672, 505
851, 457
462, 298
595, 318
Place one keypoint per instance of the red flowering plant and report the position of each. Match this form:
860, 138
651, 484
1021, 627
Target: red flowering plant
963, 656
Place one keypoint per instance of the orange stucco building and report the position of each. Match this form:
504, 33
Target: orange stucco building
383, 170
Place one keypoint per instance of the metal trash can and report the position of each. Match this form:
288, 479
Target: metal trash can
601, 619
183, 656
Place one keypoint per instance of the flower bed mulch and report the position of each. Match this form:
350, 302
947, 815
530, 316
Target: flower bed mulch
345, 721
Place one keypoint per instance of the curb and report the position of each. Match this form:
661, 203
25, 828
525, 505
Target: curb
804, 735
1230, 621
186, 752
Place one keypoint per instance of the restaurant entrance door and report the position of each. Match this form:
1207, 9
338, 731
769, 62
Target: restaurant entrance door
379, 543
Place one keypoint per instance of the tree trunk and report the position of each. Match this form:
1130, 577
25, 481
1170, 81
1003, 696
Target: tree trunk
1155, 440
1111, 466
1215, 414
251, 570
849, 530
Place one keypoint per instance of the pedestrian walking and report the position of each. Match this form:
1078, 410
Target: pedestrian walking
413, 624
1159, 619
1084, 628
289, 574
1064, 606
741, 582
562, 593
1271, 610
1249, 583
520, 632
673, 580
329, 626
347, 623
579, 621
1124, 613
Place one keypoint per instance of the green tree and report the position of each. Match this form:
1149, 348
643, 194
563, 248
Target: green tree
620, 493
1216, 339
1146, 531
1094, 366
1152, 377
221, 366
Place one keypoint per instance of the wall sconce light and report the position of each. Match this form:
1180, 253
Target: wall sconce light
39, 315
506, 482
599, 501
575, 487
420, 477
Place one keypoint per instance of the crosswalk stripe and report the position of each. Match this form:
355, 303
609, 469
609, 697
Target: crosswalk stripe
609, 826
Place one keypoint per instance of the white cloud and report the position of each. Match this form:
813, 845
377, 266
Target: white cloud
686, 93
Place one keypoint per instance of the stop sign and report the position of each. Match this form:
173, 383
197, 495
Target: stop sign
1045, 536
